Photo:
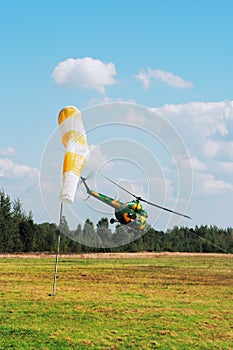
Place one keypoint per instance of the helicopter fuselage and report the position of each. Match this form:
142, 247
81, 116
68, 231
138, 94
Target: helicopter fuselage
125, 213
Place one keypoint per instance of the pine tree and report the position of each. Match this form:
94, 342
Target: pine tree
104, 233
6, 237
89, 236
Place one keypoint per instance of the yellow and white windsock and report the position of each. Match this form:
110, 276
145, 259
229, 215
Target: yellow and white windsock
75, 142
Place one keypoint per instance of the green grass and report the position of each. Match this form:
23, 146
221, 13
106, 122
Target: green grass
164, 302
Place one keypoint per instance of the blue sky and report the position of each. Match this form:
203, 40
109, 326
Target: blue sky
173, 57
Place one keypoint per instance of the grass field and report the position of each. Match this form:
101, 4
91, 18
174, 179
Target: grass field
134, 301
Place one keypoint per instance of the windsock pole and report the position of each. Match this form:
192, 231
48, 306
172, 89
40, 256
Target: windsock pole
74, 140
57, 254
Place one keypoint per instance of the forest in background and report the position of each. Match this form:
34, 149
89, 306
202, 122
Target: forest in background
19, 233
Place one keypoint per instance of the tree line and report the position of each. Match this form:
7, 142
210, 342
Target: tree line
19, 233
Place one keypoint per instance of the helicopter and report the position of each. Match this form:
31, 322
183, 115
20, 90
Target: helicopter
130, 212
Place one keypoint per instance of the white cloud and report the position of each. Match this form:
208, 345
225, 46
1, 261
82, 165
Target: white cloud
211, 148
169, 78
135, 117
85, 73
96, 159
206, 128
225, 166
161, 189
166, 77
9, 151
211, 186
144, 78
197, 164
9, 170
226, 150
208, 118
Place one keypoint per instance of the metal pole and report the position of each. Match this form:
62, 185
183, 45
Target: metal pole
58, 247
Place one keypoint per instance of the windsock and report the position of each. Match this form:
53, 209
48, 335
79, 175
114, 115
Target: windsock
75, 142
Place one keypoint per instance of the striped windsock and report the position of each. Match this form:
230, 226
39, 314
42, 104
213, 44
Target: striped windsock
75, 142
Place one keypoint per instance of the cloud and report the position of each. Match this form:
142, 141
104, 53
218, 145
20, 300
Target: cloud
206, 128
166, 77
135, 117
226, 150
225, 166
208, 118
196, 164
161, 189
209, 185
144, 78
9, 151
10, 170
211, 148
97, 159
85, 73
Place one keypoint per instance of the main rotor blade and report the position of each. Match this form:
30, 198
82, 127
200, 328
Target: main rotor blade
124, 189
145, 201
160, 207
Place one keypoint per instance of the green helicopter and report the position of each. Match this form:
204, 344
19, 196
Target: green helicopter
130, 212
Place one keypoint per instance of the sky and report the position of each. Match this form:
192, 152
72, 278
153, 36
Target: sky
153, 81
